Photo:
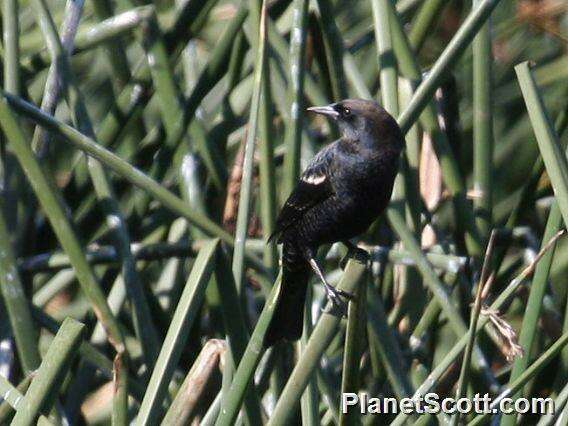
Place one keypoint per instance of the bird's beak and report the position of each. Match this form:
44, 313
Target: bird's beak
327, 110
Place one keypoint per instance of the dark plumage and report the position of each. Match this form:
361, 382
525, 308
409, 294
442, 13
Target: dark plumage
342, 191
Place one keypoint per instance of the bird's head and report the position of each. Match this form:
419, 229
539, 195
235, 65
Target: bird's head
363, 121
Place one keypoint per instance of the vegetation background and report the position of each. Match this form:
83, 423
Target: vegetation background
136, 280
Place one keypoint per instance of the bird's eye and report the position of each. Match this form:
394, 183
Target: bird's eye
346, 112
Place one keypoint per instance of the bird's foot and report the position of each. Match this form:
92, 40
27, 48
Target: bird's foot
355, 253
339, 301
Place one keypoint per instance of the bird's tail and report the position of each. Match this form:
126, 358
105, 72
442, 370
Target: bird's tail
288, 319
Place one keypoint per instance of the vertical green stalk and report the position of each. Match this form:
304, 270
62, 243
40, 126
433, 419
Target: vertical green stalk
412, 295
13, 183
354, 348
267, 168
483, 128
10, 38
245, 196
405, 189
17, 306
309, 403
296, 95
268, 209
320, 339
385, 55
49, 378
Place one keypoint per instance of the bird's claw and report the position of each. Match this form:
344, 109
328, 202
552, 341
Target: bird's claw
355, 253
338, 306
348, 296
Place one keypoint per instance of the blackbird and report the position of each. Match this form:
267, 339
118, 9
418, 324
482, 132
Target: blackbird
339, 195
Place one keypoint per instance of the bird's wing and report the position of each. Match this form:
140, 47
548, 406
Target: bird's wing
313, 187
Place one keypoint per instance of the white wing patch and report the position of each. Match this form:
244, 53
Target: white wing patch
314, 179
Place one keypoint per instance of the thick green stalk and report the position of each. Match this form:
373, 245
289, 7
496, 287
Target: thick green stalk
354, 348
309, 403
385, 56
267, 172
296, 95
320, 339
388, 75
178, 331
483, 128
267, 169
548, 143
245, 195
10, 36
49, 377
14, 398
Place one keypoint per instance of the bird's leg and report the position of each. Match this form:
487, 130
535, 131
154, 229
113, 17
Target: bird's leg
353, 252
333, 294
